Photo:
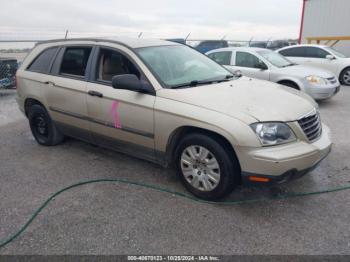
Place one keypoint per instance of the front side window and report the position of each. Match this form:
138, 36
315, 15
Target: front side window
245, 59
294, 52
75, 60
42, 62
181, 65
223, 58
112, 63
315, 52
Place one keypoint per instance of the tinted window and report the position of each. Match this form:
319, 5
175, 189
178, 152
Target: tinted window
222, 58
294, 52
316, 52
112, 63
75, 60
247, 60
42, 62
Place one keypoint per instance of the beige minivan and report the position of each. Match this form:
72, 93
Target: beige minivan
167, 103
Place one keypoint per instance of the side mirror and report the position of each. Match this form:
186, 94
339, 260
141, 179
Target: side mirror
330, 57
132, 83
261, 65
237, 73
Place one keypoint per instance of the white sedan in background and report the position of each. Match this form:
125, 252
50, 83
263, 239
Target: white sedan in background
320, 56
268, 65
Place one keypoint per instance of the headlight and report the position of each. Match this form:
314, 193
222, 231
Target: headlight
273, 133
316, 80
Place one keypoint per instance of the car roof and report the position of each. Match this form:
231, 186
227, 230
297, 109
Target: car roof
254, 49
126, 41
302, 45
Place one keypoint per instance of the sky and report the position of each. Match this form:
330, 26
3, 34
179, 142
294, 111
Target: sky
203, 19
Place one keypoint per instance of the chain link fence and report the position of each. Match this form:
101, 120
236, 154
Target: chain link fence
11, 56
8, 68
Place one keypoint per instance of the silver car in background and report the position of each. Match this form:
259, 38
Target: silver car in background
268, 65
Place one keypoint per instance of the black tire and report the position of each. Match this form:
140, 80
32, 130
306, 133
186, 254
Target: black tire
344, 77
290, 84
43, 129
229, 167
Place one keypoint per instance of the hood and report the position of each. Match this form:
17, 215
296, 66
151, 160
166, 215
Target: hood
247, 99
304, 71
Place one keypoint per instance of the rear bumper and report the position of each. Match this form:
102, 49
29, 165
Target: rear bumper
277, 164
20, 103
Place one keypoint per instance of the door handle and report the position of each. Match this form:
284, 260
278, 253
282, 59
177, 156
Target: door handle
95, 93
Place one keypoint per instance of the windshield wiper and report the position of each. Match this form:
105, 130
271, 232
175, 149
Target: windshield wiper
291, 64
197, 82
193, 83
227, 78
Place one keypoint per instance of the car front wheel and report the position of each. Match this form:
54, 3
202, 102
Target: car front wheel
345, 76
205, 167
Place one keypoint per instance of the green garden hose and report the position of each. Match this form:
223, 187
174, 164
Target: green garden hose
165, 190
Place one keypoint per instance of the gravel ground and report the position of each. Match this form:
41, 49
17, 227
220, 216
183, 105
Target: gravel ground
124, 219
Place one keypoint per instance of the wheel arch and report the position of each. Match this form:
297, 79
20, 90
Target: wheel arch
182, 131
29, 102
291, 81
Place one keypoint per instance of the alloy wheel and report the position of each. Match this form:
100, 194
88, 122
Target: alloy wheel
200, 168
346, 77
41, 125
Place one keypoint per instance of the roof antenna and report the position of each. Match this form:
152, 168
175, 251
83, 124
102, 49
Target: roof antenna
250, 40
140, 34
187, 36
223, 37
65, 37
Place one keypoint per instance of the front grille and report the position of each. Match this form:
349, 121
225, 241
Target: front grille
332, 80
311, 126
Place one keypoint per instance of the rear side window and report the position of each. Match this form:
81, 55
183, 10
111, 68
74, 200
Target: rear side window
294, 52
75, 60
222, 58
42, 62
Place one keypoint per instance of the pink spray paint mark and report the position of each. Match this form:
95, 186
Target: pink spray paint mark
115, 114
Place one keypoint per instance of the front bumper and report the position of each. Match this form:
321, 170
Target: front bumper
277, 164
322, 92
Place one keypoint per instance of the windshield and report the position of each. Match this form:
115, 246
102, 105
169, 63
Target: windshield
275, 58
335, 52
180, 65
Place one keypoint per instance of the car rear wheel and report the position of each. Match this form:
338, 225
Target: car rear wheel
345, 77
43, 129
205, 167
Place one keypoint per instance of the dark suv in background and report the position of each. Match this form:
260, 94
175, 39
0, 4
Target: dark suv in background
208, 45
